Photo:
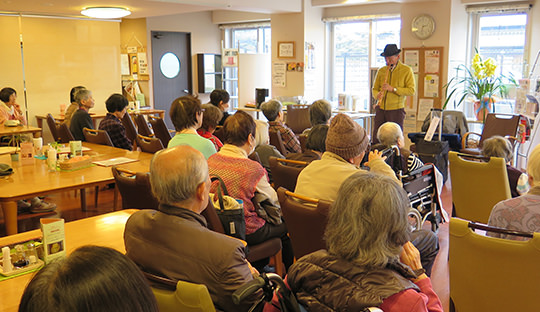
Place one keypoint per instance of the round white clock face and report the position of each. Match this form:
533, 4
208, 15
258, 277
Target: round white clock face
423, 26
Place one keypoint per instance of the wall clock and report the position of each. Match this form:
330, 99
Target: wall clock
423, 26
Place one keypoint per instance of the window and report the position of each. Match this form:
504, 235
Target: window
247, 38
355, 49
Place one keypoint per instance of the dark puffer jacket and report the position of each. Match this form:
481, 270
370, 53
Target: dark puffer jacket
323, 282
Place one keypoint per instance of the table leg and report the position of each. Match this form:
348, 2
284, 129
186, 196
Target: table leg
10, 217
83, 199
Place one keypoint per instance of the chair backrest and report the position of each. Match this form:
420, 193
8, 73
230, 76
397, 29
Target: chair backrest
285, 172
131, 130
97, 137
148, 144
477, 185
172, 296
160, 129
499, 124
303, 141
142, 126
306, 220
51, 122
135, 189
298, 118
65, 134
492, 274
275, 139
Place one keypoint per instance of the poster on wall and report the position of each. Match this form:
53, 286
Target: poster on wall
143, 63
431, 86
310, 55
124, 64
432, 59
411, 58
230, 58
279, 71
424, 108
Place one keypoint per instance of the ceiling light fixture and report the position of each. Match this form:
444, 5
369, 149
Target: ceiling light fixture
105, 12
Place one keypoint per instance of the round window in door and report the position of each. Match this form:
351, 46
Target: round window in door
169, 65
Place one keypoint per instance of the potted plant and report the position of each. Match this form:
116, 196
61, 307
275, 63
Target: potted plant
479, 83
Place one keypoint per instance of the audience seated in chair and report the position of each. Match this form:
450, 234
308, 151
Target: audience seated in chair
73, 107
81, 119
497, 146
369, 260
263, 149
346, 144
243, 177
187, 116
273, 111
521, 213
174, 241
220, 99
90, 279
211, 117
320, 113
315, 145
112, 123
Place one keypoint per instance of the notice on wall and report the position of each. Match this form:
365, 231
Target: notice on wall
279, 72
143, 64
424, 108
432, 59
411, 58
124, 64
230, 58
431, 86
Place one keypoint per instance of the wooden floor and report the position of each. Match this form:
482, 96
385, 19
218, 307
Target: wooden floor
69, 208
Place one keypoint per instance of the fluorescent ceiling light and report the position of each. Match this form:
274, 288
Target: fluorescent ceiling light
105, 12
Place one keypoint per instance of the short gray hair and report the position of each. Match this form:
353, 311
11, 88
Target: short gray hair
367, 224
497, 146
389, 133
82, 94
176, 181
261, 133
271, 109
320, 112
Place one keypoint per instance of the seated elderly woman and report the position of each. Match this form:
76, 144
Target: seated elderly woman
273, 111
497, 146
390, 134
521, 213
361, 267
211, 117
263, 149
243, 177
91, 278
320, 113
315, 145
187, 116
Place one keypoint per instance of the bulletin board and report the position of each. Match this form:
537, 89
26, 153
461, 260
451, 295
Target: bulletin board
427, 65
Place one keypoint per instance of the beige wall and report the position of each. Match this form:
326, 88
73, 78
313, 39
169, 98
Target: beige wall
314, 32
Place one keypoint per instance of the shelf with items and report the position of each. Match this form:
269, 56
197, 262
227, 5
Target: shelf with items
135, 75
209, 72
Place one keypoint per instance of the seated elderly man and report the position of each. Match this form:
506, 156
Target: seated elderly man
390, 134
273, 111
346, 143
175, 242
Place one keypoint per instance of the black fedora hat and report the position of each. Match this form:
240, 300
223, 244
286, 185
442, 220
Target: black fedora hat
390, 49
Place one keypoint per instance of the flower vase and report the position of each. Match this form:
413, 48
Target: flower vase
482, 108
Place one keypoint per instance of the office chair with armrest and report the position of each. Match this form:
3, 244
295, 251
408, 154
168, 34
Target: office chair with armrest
149, 144
160, 129
97, 137
172, 296
131, 130
285, 172
478, 183
277, 142
306, 220
492, 274
298, 118
142, 126
134, 188
505, 125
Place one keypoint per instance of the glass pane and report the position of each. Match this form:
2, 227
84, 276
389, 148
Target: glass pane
169, 65
385, 32
267, 40
245, 40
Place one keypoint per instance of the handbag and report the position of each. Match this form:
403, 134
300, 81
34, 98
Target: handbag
229, 210
266, 210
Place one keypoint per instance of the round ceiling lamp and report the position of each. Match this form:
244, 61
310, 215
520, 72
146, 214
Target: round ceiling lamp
105, 12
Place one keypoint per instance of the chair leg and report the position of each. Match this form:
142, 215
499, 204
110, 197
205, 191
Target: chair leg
116, 192
96, 197
278, 264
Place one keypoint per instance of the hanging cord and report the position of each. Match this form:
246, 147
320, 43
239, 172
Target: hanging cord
23, 71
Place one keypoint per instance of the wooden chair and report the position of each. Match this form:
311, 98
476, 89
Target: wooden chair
268, 249
131, 130
492, 274
478, 183
306, 220
285, 172
505, 125
303, 141
172, 296
51, 122
275, 139
65, 134
97, 137
160, 129
134, 188
142, 126
148, 144
298, 118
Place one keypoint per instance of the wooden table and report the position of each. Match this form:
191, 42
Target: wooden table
32, 178
8, 131
101, 115
103, 230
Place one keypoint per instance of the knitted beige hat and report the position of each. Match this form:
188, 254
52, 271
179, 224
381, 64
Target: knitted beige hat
346, 138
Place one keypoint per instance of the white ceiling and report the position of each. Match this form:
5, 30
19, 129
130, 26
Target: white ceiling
148, 8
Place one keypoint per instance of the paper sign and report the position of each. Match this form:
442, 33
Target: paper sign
131, 50
143, 63
279, 72
424, 108
432, 127
54, 239
124, 64
411, 59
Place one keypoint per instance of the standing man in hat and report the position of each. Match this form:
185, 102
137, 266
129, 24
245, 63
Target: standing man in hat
393, 83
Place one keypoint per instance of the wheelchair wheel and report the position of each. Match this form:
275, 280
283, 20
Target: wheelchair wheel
415, 219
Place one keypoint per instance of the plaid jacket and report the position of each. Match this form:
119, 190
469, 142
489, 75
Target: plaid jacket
116, 131
287, 136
